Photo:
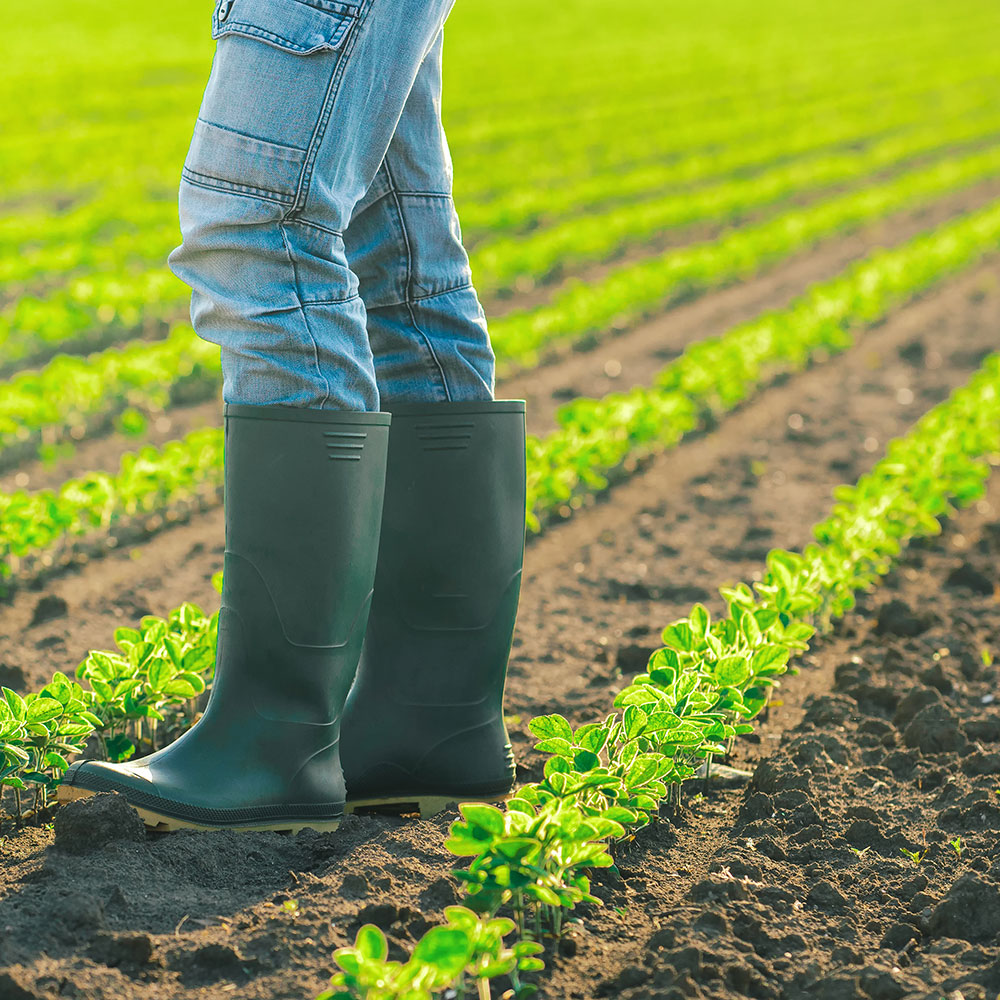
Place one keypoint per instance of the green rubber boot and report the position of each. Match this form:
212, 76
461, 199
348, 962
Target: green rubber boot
303, 499
423, 724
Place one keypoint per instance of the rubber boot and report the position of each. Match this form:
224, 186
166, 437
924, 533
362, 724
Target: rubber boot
423, 724
303, 502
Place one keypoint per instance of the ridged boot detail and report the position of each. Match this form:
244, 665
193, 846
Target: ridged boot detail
303, 505
423, 724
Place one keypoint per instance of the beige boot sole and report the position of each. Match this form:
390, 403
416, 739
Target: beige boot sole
425, 805
163, 824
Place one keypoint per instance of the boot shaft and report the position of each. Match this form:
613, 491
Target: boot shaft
426, 711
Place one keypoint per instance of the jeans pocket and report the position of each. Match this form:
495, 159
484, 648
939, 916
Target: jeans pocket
272, 73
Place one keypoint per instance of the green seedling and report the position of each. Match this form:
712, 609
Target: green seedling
957, 846
915, 856
37, 734
466, 953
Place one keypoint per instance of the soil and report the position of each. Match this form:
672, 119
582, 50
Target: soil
808, 891
98, 909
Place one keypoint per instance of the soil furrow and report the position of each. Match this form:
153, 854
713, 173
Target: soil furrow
618, 362
203, 911
804, 887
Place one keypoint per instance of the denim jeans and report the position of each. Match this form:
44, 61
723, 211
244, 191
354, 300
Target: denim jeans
320, 237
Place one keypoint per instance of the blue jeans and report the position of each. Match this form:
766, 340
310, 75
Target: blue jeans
320, 237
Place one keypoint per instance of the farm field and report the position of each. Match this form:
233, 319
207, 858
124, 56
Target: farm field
751, 259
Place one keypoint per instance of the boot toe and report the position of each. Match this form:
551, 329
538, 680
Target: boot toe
100, 776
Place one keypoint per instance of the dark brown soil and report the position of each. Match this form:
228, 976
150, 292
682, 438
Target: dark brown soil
202, 914
808, 891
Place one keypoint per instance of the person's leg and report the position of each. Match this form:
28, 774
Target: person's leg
299, 111
426, 327
423, 724
301, 105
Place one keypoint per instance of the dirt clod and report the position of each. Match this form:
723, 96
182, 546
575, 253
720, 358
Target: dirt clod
912, 703
969, 577
125, 949
933, 729
48, 608
970, 910
897, 618
94, 822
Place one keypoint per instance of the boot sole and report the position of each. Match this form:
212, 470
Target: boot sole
425, 805
158, 823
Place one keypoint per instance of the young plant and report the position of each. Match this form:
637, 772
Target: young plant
37, 732
534, 859
158, 671
467, 952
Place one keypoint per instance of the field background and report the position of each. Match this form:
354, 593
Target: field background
729, 250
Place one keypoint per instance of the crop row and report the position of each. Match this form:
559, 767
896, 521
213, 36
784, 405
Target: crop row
72, 398
94, 311
561, 248
126, 224
603, 780
490, 147
666, 154
596, 438
151, 486
73, 394
635, 291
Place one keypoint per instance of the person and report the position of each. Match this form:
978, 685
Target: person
374, 488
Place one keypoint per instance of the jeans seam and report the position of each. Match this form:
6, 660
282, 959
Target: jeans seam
319, 132
255, 138
415, 299
299, 221
330, 302
409, 275
302, 311
201, 180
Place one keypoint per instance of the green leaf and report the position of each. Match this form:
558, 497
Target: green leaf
644, 768
545, 726
15, 703
634, 720
679, 636
120, 748
770, 658
591, 737
731, 671
43, 709
371, 943
699, 620
485, 817
750, 629
126, 637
